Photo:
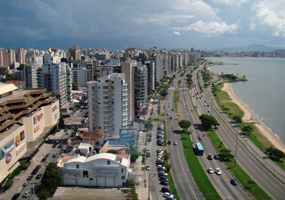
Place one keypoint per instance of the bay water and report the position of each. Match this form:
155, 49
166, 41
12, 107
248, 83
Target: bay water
264, 92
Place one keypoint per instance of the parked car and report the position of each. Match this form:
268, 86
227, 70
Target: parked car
210, 157
26, 194
169, 142
30, 177
166, 189
168, 195
16, 196
147, 167
35, 171
26, 183
164, 183
38, 176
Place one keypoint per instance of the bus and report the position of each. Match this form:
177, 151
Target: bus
199, 149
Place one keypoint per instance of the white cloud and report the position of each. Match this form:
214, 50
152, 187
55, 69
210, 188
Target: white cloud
176, 33
270, 18
211, 28
163, 19
252, 26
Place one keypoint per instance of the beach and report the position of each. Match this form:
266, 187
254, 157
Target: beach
249, 117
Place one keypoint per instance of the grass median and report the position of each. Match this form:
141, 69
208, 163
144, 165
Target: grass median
176, 99
172, 185
201, 179
244, 179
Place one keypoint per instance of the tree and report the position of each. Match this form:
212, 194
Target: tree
3, 71
247, 129
52, 177
167, 167
166, 155
185, 124
163, 93
278, 153
208, 121
226, 155
44, 194
134, 153
95, 77
237, 119
74, 86
145, 150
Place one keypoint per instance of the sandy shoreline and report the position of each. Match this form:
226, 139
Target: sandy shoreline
249, 117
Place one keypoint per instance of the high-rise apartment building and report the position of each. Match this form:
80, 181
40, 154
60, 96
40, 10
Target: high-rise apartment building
33, 76
151, 74
141, 88
74, 52
108, 104
21, 55
54, 80
81, 76
128, 70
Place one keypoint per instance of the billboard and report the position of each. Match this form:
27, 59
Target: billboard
108, 173
19, 137
70, 173
36, 129
38, 118
7, 148
129, 133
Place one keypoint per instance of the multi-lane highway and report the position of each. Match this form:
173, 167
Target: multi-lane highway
274, 187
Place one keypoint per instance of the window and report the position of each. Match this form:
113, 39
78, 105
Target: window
108, 162
123, 177
91, 179
98, 87
123, 170
105, 97
105, 87
77, 166
85, 174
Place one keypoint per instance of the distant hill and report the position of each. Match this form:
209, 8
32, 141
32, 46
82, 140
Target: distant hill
255, 47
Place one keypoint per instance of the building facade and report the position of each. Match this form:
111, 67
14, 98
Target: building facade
108, 104
23, 116
101, 170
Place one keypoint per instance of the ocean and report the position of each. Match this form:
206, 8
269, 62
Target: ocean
264, 92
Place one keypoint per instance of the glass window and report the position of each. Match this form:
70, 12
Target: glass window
77, 166
108, 162
85, 174
123, 177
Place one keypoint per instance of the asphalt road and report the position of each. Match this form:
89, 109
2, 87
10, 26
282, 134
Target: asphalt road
183, 179
222, 182
264, 178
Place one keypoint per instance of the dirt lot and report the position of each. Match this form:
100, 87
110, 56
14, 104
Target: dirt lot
77, 193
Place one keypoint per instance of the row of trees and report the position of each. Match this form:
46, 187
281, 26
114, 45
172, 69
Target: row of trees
50, 181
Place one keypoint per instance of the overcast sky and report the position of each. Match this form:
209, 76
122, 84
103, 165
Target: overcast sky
116, 24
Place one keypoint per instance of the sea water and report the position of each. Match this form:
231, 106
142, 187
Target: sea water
264, 92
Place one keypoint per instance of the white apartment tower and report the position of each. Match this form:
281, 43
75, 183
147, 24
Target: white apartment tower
108, 104
54, 80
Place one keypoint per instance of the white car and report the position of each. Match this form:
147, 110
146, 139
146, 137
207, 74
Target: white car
218, 171
210, 170
175, 143
167, 195
148, 167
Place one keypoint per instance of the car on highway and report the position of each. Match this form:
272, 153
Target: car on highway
38, 176
175, 143
217, 157
166, 189
210, 170
218, 171
16, 196
234, 182
168, 195
210, 157
200, 137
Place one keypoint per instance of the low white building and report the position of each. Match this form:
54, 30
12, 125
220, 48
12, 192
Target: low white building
100, 170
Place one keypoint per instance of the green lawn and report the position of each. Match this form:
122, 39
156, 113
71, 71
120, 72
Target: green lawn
162, 114
157, 120
201, 179
245, 180
146, 139
176, 99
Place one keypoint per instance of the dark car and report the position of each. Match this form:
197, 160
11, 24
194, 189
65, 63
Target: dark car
35, 171
148, 155
164, 182
38, 166
163, 178
54, 155
169, 142
16, 196
30, 177
210, 157
54, 145
166, 189
38, 176
234, 182
44, 160
217, 157
59, 146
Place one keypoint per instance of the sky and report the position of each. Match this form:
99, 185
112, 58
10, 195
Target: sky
117, 24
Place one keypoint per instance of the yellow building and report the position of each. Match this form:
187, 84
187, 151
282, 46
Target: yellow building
23, 116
